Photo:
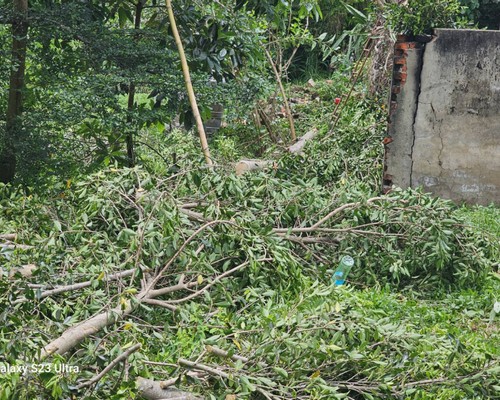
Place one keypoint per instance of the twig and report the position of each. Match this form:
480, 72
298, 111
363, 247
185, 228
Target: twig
180, 286
76, 286
217, 279
111, 365
203, 367
160, 273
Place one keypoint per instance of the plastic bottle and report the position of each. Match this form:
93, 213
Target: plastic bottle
340, 274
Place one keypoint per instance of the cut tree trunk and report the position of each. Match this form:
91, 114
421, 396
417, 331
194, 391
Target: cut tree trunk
251, 165
297, 147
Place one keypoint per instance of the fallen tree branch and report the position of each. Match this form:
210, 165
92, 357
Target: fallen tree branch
110, 366
224, 354
77, 333
14, 246
158, 390
75, 286
196, 216
159, 274
170, 289
26, 271
316, 225
252, 165
220, 373
298, 146
202, 367
308, 239
160, 303
8, 236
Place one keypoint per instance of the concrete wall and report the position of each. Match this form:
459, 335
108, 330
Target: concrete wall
444, 125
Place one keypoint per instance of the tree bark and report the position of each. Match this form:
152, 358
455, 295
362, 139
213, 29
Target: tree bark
158, 390
189, 85
76, 334
15, 102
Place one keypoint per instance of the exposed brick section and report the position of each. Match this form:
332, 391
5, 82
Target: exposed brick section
403, 45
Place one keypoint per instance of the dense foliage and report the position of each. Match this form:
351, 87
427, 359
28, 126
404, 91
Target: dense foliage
417, 259
217, 284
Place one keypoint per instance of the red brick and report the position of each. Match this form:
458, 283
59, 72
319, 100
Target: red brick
400, 76
405, 45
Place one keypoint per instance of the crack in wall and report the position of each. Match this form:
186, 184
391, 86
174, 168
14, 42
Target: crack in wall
418, 79
440, 135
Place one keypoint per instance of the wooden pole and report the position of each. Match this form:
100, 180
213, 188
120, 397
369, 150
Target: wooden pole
189, 85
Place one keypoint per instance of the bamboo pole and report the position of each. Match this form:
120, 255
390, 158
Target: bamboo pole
189, 84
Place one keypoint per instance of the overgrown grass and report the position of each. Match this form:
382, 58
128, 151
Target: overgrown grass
485, 219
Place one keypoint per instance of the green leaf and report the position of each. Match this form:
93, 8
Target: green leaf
281, 372
57, 225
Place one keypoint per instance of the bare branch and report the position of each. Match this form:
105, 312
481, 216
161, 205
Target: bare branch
159, 274
193, 215
203, 367
224, 354
338, 210
171, 289
160, 303
111, 365
76, 286
158, 390
217, 279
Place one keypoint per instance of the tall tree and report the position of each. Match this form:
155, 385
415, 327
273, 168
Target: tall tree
15, 102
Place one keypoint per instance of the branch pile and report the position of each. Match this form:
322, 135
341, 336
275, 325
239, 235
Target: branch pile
139, 259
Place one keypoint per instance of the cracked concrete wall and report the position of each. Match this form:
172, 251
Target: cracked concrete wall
444, 127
